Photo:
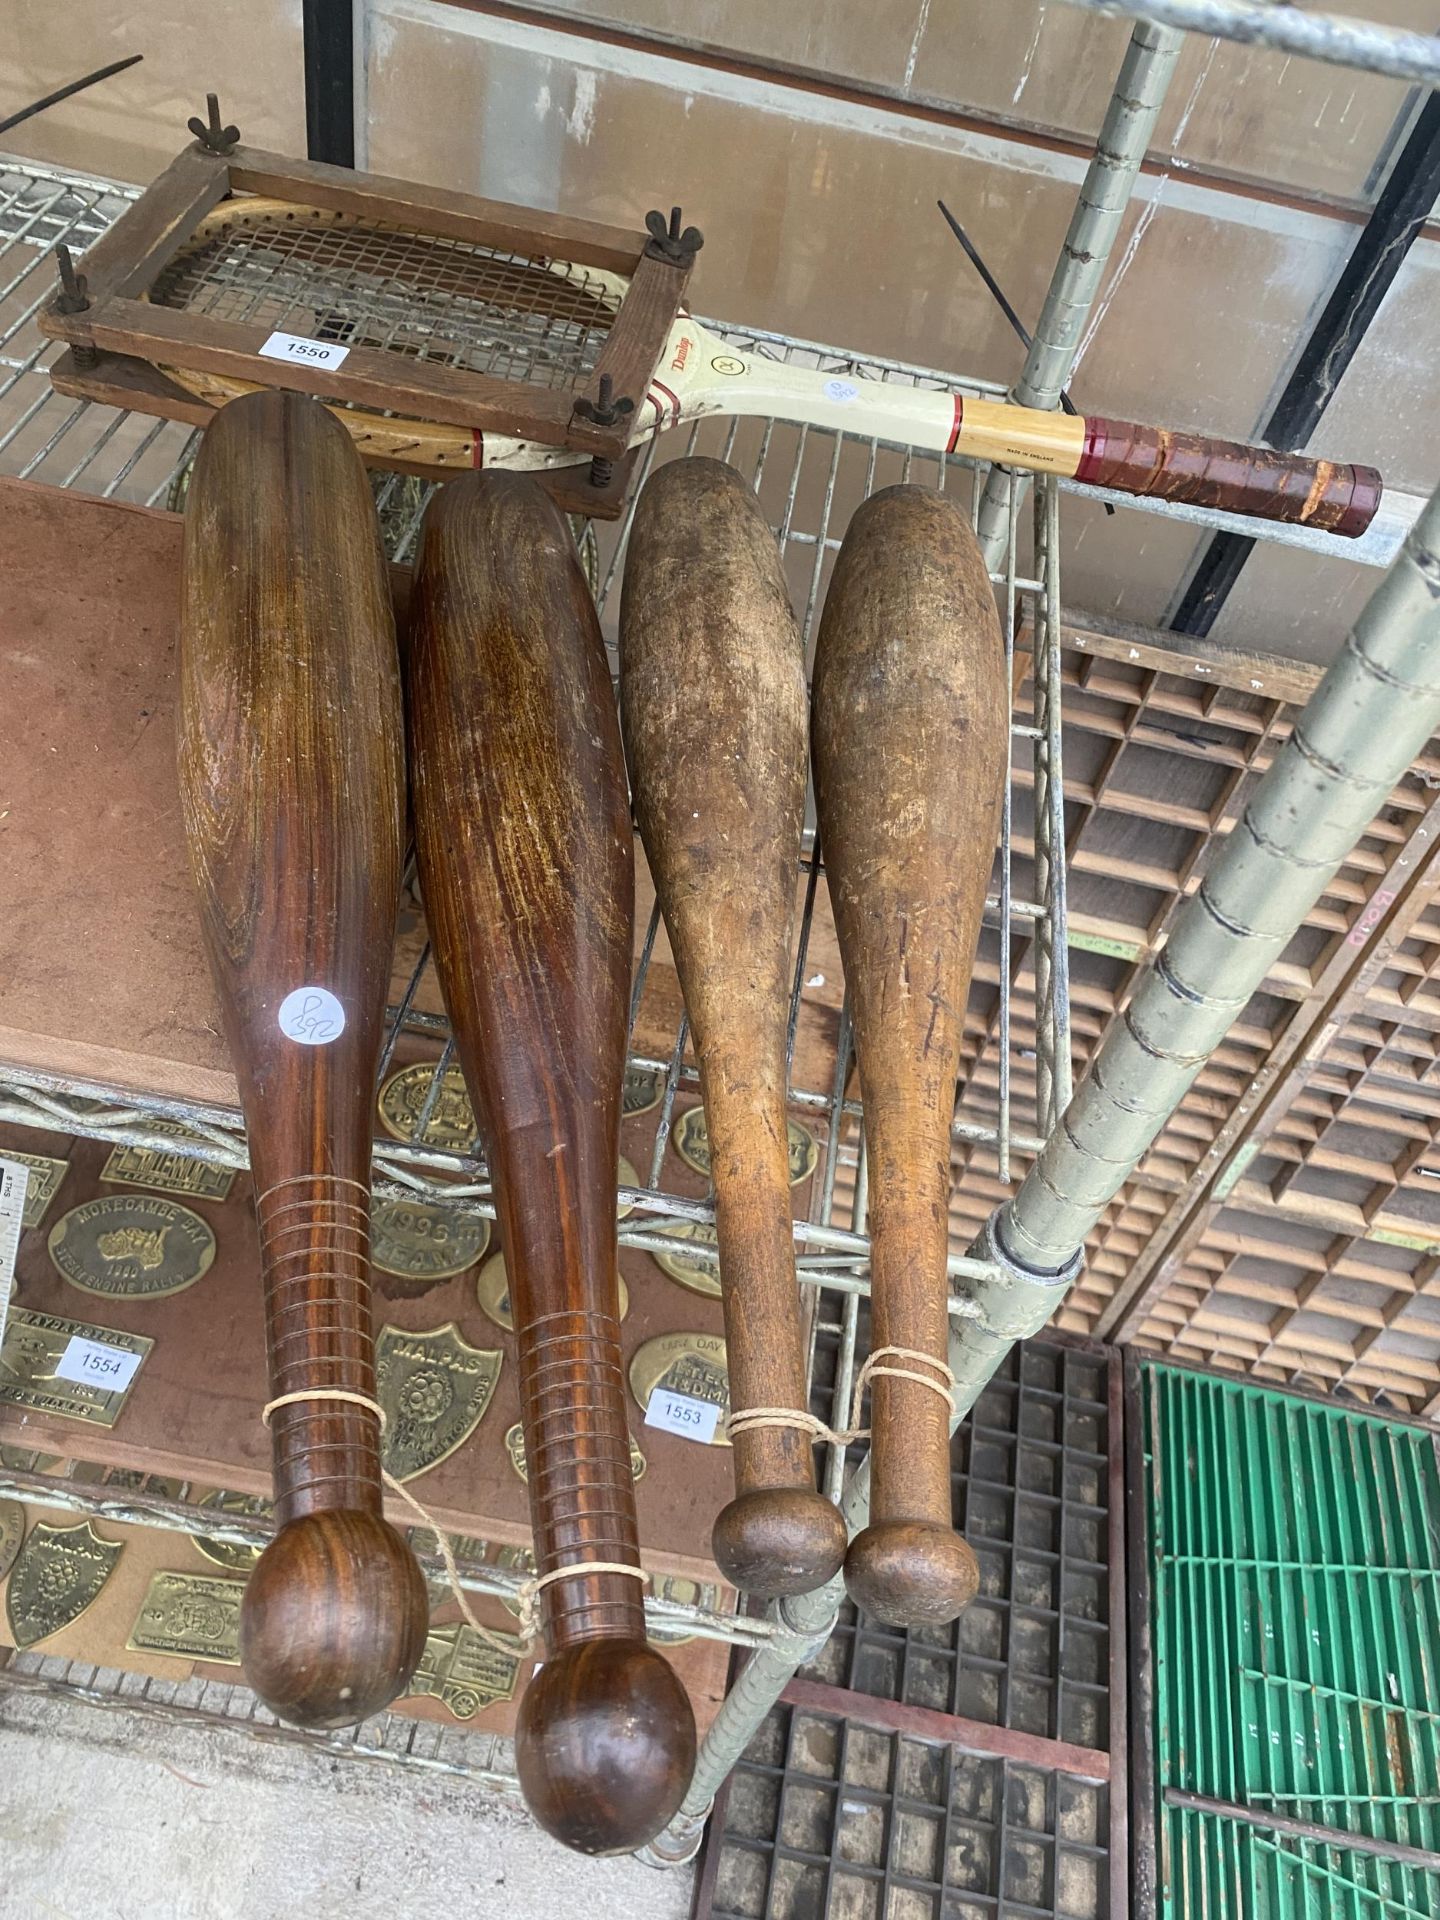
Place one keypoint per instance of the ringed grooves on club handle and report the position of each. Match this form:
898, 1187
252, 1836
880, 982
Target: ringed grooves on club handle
910, 718
527, 865
291, 783
713, 706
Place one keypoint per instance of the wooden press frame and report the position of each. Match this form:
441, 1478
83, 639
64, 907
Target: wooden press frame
127, 259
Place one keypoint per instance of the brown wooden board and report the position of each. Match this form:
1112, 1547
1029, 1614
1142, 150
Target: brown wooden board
129, 254
439, 210
122, 380
194, 1410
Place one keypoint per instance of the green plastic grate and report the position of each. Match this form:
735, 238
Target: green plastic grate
1294, 1555
1226, 1869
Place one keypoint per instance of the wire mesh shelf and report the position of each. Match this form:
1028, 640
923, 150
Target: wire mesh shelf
1016, 1056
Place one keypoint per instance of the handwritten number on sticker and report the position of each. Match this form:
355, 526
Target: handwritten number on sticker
312, 1016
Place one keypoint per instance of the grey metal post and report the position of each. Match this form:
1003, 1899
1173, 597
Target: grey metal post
1094, 226
1337, 38
1377, 706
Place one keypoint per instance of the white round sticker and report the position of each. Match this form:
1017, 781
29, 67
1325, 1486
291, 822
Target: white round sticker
312, 1015
842, 392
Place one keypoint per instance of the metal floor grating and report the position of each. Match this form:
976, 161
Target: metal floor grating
1030, 1483
1293, 1567
828, 1820
958, 1772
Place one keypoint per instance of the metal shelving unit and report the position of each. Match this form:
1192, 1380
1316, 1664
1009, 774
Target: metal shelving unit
809, 481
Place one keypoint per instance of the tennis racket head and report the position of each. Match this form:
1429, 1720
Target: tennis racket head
332, 277
478, 318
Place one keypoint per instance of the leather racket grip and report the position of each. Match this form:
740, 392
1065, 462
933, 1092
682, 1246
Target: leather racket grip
1202, 472
577, 1446
315, 1263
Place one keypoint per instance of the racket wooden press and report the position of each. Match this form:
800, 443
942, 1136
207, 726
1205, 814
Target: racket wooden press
428, 320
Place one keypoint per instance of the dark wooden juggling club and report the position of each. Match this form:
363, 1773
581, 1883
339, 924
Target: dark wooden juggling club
291, 745
910, 714
527, 868
713, 706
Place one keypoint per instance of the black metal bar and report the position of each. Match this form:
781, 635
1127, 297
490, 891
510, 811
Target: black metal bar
330, 81
64, 93
1319, 1836
1399, 213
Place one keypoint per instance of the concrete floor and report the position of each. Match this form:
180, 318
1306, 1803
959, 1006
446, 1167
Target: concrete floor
107, 1816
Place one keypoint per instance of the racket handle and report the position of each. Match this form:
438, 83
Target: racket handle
1204, 472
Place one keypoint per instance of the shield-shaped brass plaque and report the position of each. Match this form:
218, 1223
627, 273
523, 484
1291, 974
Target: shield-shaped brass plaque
692, 1143
58, 1574
434, 1388
12, 1532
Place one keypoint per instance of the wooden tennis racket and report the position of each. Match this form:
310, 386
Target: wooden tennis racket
453, 314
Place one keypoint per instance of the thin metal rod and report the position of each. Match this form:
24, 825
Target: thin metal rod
996, 291
1373, 711
1308, 1830
1094, 228
1337, 38
64, 93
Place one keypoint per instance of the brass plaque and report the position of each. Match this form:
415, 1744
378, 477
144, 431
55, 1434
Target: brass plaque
193, 1616
421, 1241
690, 1270
692, 1144
464, 1672
641, 1091
231, 1553
686, 1593
515, 1447
170, 1171
58, 1573
12, 1532
688, 1363
34, 1345
434, 1388
132, 1244
402, 1100
492, 1290
42, 1186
